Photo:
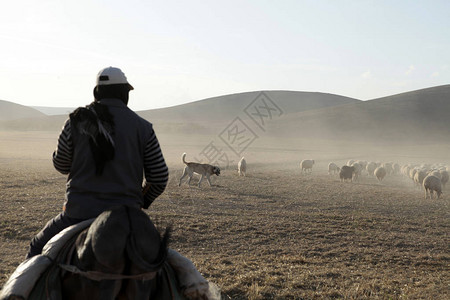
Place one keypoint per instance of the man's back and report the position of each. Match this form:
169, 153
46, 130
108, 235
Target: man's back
121, 179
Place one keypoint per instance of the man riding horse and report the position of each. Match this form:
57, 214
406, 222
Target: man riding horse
105, 148
108, 151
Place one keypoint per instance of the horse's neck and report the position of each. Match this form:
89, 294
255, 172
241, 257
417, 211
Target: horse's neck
54, 246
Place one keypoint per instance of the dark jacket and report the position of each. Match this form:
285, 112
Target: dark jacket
137, 154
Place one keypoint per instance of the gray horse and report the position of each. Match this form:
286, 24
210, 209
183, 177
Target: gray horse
119, 255
126, 252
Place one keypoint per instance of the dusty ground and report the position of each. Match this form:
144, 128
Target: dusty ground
275, 234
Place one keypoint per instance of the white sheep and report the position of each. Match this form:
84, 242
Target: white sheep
425, 166
405, 170
380, 173
397, 168
242, 167
363, 164
358, 169
388, 167
412, 172
307, 165
370, 168
419, 177
435, 173
332, 167
432, 184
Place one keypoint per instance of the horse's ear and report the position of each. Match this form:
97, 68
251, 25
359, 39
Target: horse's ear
164, 246
166, 237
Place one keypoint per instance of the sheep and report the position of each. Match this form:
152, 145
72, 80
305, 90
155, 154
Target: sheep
412, 172
350, 162
346, 172
405, 170
362, 163
397, 169
306, 165
242, 167
435, 173
370, 168
425, 166
388, 167
332, 167
358, 169
432, 184
380, 172
419, 176
444, 178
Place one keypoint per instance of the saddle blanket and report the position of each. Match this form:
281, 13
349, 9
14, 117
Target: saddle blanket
21, 283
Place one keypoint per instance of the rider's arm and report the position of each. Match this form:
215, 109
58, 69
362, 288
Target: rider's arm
62, 157
155, 169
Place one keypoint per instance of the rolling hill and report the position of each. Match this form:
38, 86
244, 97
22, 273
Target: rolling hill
52, 111
416, 115
411, 116
226, 108
11, 111
203, 116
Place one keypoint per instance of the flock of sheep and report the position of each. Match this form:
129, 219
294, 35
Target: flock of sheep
432, 178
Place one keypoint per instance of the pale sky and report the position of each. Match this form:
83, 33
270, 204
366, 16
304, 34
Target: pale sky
175, 52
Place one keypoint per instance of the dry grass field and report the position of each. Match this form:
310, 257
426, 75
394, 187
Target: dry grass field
275, 234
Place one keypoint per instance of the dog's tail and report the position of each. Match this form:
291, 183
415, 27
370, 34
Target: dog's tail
183, 158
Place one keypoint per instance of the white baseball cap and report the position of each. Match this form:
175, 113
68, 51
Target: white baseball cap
111, 75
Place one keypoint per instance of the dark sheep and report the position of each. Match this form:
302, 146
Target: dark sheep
346, 173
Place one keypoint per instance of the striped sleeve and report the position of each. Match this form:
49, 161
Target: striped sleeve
62, 157
155, 169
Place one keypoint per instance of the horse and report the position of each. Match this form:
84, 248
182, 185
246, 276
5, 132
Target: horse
125, 250
121, 255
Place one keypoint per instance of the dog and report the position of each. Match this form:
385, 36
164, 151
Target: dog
204, 170
242, 167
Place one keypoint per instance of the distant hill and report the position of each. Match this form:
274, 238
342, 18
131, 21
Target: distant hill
10, 111
52, 111
227, 107
206, 116
45, 123
417, 115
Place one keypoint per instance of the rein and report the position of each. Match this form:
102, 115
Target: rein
99, 276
